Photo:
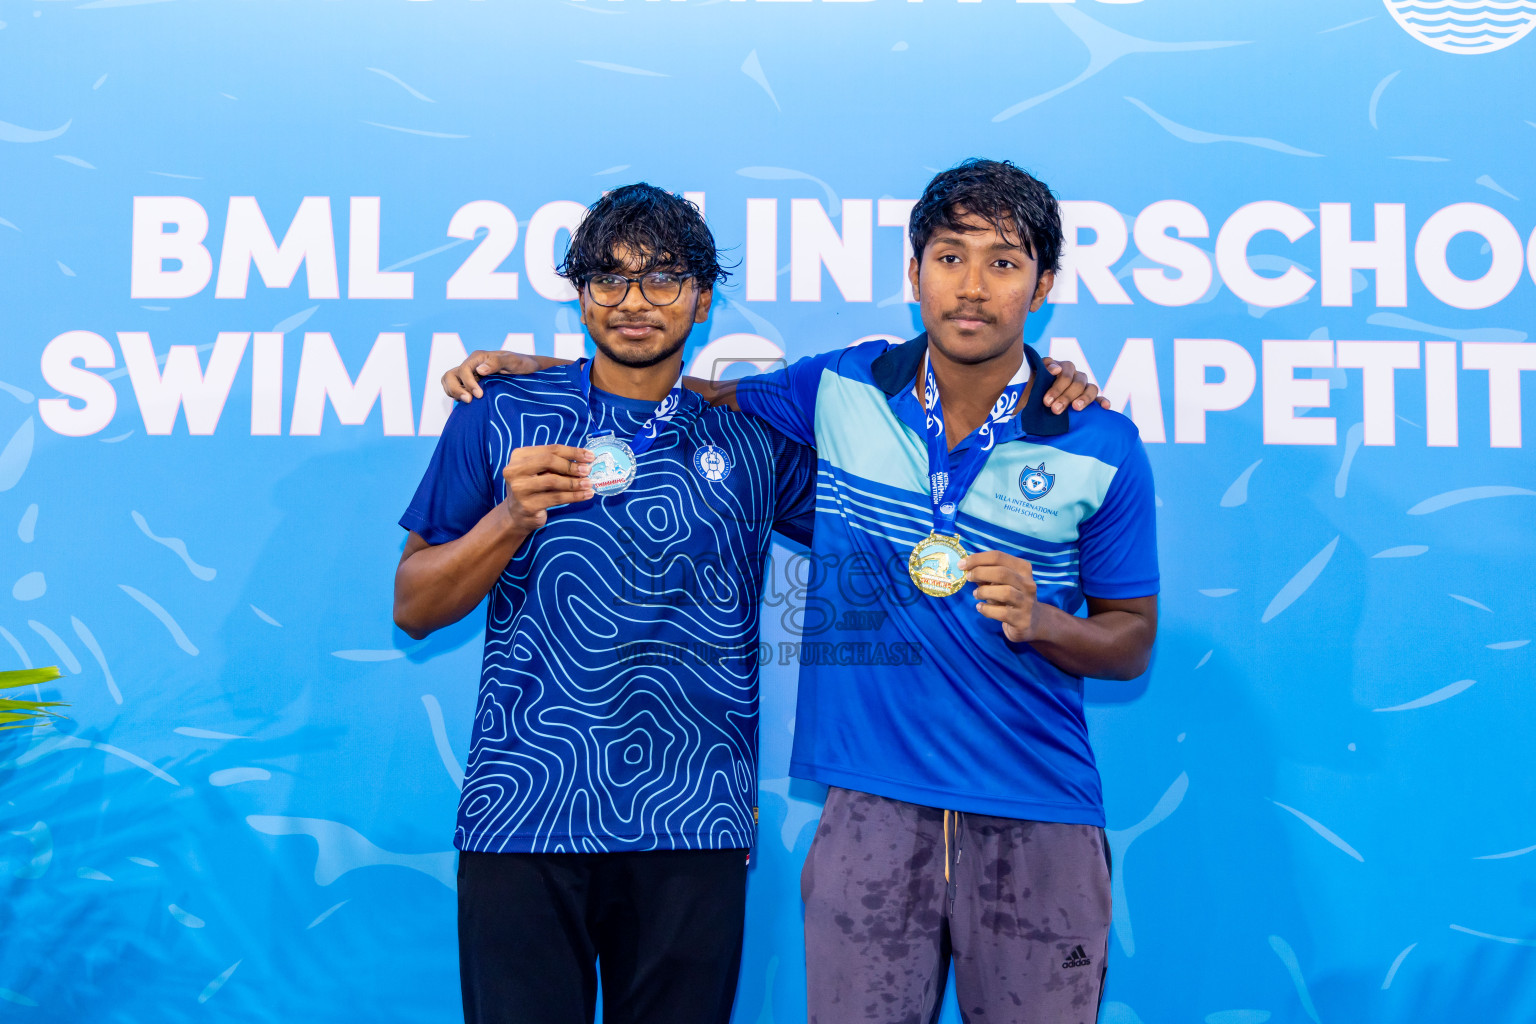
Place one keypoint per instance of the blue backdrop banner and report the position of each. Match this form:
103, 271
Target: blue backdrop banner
241, 242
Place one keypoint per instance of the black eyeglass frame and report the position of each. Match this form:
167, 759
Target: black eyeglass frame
630, 282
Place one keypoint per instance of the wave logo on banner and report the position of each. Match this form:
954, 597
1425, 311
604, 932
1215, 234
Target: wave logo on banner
1465, 26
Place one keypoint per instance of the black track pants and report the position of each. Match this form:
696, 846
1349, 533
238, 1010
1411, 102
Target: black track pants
664, 928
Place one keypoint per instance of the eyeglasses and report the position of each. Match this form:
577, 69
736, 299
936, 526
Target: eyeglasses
660, 288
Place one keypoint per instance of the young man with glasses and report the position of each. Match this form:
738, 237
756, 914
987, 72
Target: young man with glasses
964, 817
620, 526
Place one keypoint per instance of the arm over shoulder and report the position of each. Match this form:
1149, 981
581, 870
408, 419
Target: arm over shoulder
786, 398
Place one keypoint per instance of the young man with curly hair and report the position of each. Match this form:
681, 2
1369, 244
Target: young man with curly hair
620, 526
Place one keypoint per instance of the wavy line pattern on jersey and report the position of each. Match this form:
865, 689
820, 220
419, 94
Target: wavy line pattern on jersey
618, 695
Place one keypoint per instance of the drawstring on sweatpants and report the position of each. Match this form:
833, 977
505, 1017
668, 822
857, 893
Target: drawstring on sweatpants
947, 814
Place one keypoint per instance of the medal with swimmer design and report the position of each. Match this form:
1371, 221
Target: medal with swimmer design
935, 565
613, 468
616, 460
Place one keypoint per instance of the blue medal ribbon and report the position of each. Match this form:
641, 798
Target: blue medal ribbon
651, 428
949, 489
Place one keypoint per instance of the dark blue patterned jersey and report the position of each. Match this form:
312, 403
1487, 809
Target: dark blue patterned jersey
619, 690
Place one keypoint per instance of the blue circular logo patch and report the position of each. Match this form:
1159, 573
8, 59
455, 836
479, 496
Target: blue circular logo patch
712, 463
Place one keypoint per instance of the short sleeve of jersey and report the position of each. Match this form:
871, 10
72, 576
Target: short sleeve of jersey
794, 488
787, 398
1117, 545
456, 491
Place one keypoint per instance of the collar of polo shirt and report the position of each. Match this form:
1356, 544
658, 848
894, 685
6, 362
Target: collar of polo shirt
896, 371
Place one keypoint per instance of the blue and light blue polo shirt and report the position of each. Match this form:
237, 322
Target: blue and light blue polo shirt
969, 721
618, 693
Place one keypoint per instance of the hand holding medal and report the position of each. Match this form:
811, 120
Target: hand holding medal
1005, 591
542, 476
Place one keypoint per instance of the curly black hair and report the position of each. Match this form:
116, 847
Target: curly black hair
666, 230
1017, 204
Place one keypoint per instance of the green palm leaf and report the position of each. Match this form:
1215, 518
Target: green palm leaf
20, 714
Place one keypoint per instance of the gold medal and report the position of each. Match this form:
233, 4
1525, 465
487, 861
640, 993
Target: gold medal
935, 565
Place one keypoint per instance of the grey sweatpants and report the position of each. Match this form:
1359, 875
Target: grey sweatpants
893, 891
